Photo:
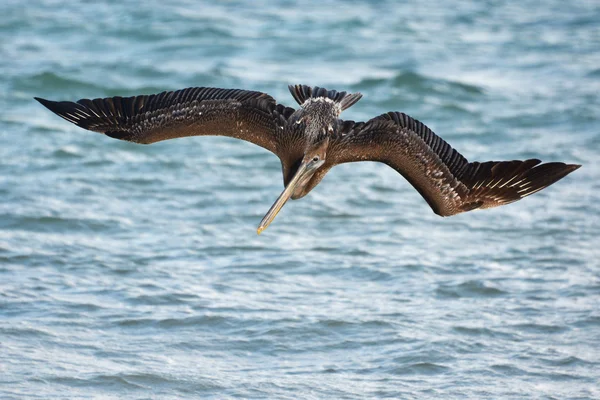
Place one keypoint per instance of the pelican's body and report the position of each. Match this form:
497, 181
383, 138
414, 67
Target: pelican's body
311, 140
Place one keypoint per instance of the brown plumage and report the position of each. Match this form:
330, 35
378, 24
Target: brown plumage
311, 140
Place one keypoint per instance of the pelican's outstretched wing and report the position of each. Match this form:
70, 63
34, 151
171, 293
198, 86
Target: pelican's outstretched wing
447, 181
242, 114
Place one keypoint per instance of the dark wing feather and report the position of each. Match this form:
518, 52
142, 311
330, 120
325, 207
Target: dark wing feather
242, 114
448, 182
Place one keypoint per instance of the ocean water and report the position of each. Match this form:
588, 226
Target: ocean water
131, 271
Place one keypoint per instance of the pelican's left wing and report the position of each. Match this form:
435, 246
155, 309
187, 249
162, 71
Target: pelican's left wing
247, 115
446, 180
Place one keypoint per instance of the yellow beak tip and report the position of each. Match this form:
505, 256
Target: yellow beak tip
259, 230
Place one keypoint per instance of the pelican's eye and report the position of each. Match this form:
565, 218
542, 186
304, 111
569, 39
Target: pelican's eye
316, 159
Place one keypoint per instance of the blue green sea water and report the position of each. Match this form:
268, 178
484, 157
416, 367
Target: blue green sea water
131, 271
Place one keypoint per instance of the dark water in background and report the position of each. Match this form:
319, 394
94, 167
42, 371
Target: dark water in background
131, 271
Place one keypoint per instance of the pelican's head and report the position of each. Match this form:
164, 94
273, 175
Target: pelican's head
314, 158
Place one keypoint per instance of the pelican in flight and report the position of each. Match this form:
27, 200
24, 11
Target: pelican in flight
311, 140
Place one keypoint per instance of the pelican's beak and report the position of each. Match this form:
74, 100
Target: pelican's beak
304, 169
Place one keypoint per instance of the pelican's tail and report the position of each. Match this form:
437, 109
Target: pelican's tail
302, 93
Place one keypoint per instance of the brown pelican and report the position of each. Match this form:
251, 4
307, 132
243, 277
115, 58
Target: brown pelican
311, 140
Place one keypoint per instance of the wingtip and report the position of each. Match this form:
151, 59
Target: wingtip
569, 168
547, 174
43, 102
53, 106
565, 169
509, 181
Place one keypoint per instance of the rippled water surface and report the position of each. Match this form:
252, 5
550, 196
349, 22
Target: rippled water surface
131, 271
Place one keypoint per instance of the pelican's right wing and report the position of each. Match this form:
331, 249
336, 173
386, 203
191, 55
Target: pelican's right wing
242, 114
446, 180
